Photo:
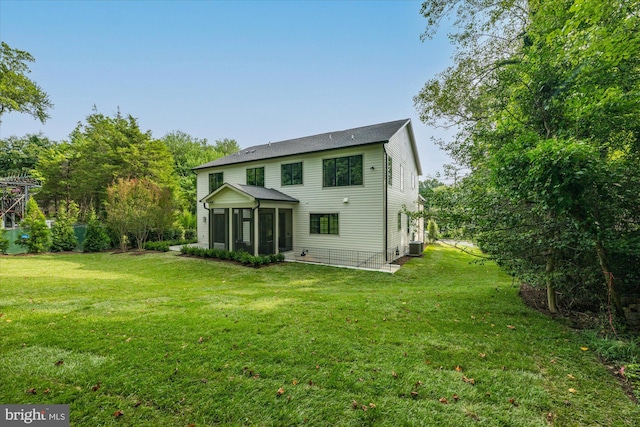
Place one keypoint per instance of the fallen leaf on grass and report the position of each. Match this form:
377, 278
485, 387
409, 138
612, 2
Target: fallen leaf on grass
59, 362
443, 400
458, 368
354, 404
47, 391
294, 382
469, 380
571, 377
414, 394
584, 348
550, 417
455, 397
511, 327
372, 405
310, 383
96, 387
200, 340
32, 391
118, 414
482, 355
138, 403
572, 390
280, 391
513, 402
393, 374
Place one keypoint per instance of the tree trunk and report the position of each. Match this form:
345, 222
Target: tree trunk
551, 290
608, 277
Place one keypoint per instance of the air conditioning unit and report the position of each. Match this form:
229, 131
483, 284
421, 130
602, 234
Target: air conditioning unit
416, 248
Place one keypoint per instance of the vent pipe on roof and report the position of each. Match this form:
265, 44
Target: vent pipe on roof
329, 137
269, 143
351, 136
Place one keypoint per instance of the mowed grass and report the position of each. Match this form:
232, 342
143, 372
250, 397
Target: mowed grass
175, 341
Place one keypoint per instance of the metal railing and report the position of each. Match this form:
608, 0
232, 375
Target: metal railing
346, 258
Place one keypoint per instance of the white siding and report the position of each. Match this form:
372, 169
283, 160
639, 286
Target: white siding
401, 193
361, 222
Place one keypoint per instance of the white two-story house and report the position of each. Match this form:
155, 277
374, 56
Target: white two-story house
339, 197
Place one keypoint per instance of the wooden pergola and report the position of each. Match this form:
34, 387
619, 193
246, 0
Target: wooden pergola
14, 195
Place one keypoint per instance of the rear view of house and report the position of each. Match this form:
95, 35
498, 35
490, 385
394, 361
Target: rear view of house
339, 197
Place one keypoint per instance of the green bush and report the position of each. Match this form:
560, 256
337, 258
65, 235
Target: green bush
4, 242
38, 234
62, 236
96, 238
242, 257
157, 246
190, 234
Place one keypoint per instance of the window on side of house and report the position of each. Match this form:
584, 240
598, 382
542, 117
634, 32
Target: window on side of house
401, 178
413, 181
215, 181
389, 171
255, 176
324, 223
399, 221
291, 174
408, 223
342, 171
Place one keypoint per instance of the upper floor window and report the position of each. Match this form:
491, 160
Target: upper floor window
215, 181
255, 176
324, 223
291, 174
342, 171
389, 171
401, 178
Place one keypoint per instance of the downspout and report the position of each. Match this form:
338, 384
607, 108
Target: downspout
385, 204
208, 228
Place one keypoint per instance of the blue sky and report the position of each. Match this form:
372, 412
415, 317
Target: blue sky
254, 71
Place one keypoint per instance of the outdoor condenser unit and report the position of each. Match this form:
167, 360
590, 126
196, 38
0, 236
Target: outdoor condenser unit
416, 248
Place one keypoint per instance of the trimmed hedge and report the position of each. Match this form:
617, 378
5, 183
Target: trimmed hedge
241, 256
164, 246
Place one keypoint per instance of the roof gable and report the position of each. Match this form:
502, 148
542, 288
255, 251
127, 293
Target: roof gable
372, 134
228, 193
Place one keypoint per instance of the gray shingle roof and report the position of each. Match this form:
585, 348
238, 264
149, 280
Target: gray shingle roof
365, 135
261, 193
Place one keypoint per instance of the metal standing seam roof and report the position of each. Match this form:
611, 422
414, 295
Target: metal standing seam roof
258, 193
378, 133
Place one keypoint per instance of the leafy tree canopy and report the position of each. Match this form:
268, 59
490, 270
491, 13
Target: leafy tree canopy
18, 92
544, 94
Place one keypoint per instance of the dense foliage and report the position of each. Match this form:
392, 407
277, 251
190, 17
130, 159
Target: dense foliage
96, 238
544, 94
63, 237
37, 234
18, 92
239, 256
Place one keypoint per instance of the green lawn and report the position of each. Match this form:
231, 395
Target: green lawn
174, 341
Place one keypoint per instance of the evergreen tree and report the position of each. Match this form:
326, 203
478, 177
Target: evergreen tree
96, 238
62, 236
35, 226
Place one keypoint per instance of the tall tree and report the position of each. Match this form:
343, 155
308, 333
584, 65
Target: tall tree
19, 155
18, 92
99, 151
189, 152
545, 96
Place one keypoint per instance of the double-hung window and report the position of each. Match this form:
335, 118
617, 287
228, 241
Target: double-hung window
255, 176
